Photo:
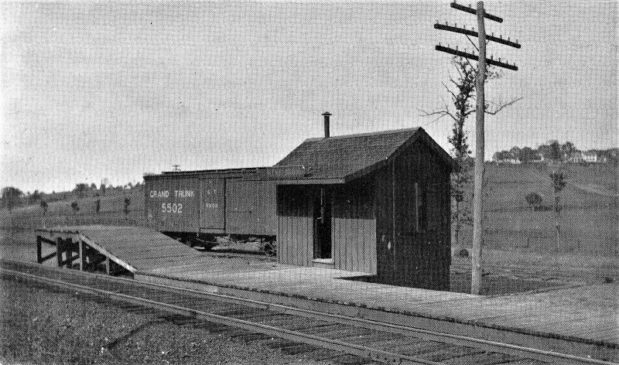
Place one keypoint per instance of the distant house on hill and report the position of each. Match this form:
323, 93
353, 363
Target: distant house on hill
517, 156
576, 157
543, 154
590, 157
505, 158
538, 158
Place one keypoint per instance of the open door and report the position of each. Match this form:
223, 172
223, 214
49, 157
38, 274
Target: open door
323, 248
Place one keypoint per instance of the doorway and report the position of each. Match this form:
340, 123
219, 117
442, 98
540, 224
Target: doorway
322, 225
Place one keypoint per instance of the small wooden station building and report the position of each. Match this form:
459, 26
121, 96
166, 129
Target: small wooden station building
376, 203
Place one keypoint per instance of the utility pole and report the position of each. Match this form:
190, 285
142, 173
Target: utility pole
478, 230
478, 202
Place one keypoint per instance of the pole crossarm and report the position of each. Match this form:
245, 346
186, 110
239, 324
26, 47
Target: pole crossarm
475, 57
470, 10
473, 33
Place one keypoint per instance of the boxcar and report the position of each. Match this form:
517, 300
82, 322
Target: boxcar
211, 202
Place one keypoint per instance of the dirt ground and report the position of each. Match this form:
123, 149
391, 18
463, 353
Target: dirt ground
569, 268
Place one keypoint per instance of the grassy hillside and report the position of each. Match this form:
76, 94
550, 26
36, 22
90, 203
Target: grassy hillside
59, 212
589, 219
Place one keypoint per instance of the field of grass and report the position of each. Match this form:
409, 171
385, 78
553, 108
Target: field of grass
589, 216
111, 211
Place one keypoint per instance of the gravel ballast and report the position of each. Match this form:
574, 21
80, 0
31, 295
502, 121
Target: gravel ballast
40, 326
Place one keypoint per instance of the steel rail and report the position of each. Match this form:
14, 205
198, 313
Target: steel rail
486, 345
460, 340
354, 349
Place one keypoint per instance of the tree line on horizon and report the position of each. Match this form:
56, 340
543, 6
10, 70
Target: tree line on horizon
555, 151
13, 197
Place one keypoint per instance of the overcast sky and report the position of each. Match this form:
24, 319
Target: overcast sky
111, 90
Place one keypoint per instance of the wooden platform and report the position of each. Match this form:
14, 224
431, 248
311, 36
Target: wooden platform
590, 313
132, 248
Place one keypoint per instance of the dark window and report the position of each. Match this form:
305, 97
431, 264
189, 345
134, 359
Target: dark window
421, 208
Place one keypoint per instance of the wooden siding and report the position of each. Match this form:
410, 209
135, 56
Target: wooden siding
250, 207
385, 243
212, 203
419, 255
353, 227
353, 233
423, 249
295, 230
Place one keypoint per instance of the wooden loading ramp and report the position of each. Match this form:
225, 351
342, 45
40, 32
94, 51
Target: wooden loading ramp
120, 249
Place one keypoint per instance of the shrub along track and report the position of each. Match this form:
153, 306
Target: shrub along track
365, 339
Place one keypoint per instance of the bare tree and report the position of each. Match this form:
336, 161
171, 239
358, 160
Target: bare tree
127, 202
43, 205
462, 92
461, 89
558, 183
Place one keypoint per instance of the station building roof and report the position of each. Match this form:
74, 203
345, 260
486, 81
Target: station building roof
340, 159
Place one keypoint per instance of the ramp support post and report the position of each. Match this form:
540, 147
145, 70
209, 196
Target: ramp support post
39, 250
40, 257
59, 249
75, 248
80, 242
69, 251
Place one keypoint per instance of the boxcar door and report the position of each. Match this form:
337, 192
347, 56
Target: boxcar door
212, 204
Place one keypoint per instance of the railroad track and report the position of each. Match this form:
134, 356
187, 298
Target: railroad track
363, 338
